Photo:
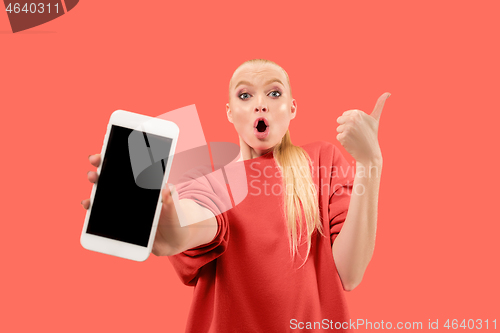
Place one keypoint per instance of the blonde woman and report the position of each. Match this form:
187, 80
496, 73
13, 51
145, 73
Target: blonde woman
281, 259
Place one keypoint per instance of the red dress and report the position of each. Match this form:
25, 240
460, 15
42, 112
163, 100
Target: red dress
244, 279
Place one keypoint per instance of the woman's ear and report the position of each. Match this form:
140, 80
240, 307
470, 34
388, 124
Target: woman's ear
293, 109
229, 115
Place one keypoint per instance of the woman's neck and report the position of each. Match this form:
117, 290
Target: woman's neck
247, 152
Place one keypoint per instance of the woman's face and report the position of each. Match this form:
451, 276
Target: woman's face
260, 92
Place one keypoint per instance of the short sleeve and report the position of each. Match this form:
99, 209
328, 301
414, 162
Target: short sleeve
341, 182
207, 190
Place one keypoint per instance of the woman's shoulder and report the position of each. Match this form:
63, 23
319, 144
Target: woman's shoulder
320, 148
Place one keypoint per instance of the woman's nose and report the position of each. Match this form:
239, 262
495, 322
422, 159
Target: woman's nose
262, 108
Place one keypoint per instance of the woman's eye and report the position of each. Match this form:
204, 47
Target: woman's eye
276, 91
242, 95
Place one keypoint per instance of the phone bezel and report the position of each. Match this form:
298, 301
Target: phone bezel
146, 124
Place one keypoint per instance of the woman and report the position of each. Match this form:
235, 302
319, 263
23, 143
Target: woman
243, 262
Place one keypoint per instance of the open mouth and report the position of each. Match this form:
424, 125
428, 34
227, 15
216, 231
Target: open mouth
261, 128
261, 124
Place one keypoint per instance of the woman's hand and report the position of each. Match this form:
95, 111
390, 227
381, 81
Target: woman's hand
358, 133
169, 235
92, 176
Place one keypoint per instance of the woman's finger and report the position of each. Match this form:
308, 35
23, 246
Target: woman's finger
86, 203
95, 160
342, 119
345, 116
92, 176
167, 194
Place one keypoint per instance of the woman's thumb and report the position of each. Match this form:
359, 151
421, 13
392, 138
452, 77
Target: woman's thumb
167, 193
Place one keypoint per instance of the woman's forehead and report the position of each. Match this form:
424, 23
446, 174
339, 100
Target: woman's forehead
255, 74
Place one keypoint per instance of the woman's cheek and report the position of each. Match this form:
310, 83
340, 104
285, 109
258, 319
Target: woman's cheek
243, 129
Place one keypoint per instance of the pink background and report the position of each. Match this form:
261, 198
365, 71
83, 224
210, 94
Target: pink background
437, 239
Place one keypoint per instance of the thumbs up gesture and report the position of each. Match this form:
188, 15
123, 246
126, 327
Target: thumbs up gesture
358, 133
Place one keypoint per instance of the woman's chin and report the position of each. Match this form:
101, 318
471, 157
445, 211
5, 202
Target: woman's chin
261, 145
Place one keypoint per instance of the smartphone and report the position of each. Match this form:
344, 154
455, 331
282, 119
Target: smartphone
125, 202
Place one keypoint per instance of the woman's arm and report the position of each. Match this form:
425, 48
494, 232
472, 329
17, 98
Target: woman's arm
172, 238
353, 248
354, 245
202, 232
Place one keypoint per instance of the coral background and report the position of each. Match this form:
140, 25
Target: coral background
438, 221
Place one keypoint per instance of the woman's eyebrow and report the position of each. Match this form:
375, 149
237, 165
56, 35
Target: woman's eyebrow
268, 82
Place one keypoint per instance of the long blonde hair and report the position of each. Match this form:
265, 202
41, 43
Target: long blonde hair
295, 166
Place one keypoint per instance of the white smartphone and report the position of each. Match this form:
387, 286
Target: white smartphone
125, 203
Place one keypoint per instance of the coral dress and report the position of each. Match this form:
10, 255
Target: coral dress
245, 280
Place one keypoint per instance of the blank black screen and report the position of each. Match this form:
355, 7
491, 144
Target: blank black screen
122, 210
